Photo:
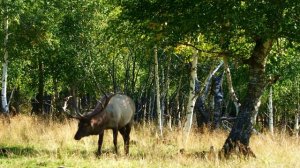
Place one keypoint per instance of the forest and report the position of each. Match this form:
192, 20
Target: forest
196, 70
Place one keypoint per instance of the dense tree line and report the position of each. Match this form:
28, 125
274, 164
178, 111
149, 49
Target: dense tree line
231, 63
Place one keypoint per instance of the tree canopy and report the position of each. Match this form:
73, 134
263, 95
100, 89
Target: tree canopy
85, 48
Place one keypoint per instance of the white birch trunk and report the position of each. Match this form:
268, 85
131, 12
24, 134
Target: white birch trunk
230, 87
4, 68
66, 103
204, 93
192, 99
208, 82
254, 116
270, 106
158, 108
166, 94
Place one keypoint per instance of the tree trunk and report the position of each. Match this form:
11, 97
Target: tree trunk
177, 111
158, 107
241, 131
203, 116
4, 70
270, 107
114, 79
75, 107
40, 96
147, 98
192, 99
134, 74
55, 99
254, 117
296, 127
127, 75
162, 95
165, 96
230, 87
218, 99
208, 81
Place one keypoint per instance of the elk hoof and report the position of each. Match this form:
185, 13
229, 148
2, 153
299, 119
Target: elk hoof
98, 154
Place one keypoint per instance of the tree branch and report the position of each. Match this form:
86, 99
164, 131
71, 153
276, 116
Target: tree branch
218, 54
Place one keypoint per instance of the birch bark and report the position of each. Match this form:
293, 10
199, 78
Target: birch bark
192, 98
230, 87
270, 106
158, 107
4, 69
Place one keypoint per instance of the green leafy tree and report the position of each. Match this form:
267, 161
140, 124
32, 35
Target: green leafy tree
258, 23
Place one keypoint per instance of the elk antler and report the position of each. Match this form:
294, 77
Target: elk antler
78, 115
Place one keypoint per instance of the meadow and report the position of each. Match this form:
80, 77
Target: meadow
36, 142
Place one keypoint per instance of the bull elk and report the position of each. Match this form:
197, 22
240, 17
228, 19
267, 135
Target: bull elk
114, 112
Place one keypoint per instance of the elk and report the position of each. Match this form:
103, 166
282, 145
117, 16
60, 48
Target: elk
114, 112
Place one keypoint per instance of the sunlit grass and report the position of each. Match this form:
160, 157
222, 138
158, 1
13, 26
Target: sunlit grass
36, 142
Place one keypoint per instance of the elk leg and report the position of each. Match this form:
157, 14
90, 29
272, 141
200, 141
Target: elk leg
100, 141
115, 137
128, 130
123, 133
126, 137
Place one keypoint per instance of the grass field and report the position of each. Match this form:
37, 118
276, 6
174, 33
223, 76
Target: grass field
33, 142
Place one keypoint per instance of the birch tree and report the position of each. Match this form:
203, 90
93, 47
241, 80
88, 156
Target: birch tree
192, 98
230, 86
5, 64
200, 102
158, 107
256, 24
270, 107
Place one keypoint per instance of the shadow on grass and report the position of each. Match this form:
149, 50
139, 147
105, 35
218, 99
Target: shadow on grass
19, 151
6, 152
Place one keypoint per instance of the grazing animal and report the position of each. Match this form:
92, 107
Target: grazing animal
114, 112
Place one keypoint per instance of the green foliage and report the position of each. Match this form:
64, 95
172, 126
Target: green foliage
98, 45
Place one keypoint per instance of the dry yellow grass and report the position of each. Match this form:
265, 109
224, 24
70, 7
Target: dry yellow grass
34, 142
